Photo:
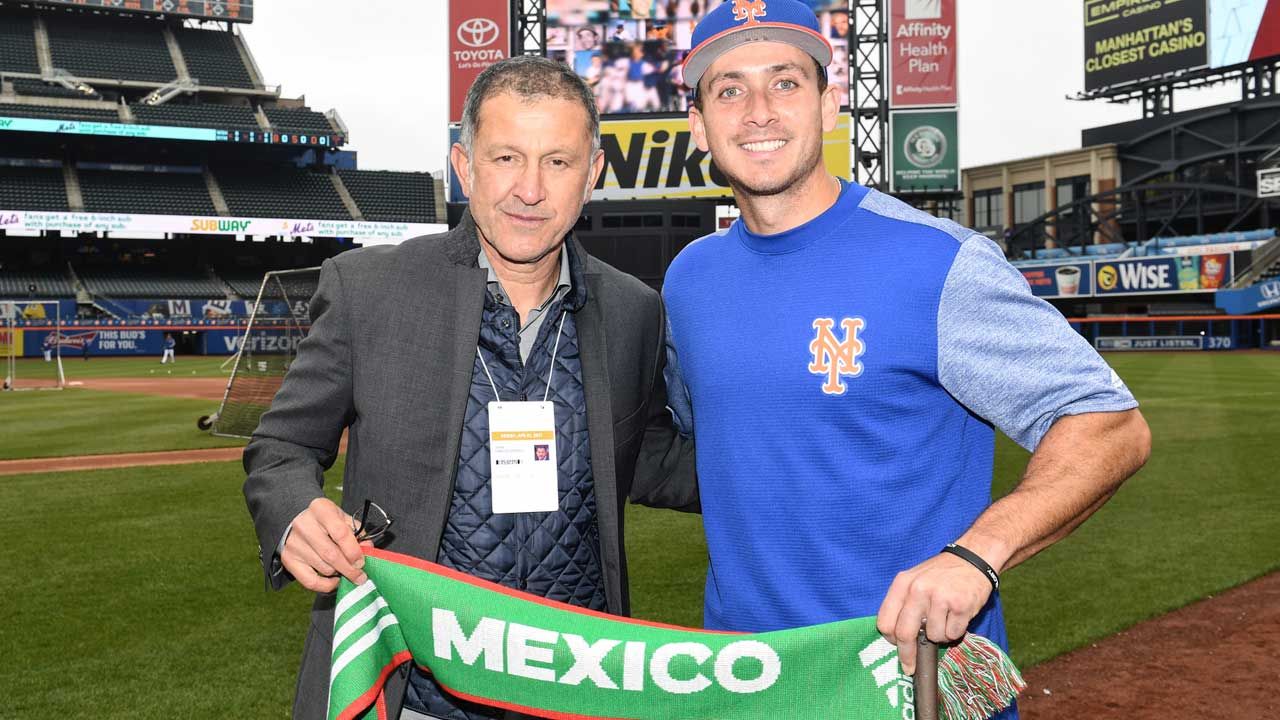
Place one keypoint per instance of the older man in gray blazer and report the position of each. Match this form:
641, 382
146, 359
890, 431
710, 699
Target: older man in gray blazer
420, 348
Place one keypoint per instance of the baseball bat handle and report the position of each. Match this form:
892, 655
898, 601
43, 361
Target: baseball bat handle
926, 678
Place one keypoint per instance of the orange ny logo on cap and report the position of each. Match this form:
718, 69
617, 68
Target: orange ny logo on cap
749, 10
833, 357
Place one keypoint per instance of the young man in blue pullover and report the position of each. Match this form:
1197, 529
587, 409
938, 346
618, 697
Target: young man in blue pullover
845, 361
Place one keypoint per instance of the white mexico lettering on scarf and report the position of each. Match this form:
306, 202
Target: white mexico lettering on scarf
528, 652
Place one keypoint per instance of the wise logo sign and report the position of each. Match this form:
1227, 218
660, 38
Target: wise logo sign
1182, 273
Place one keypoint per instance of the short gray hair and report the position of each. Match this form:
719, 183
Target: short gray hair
528, 77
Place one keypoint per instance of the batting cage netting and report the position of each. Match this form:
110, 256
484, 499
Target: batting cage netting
31, 342
279, 321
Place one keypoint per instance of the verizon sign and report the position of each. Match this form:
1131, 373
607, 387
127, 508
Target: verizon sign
922, 53
1269, 183
479, 36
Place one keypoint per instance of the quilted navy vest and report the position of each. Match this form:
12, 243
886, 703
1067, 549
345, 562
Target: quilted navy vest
557, 554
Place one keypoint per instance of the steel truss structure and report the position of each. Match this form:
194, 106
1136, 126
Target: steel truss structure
1257, 79
868, 102
529, 25
1186, 175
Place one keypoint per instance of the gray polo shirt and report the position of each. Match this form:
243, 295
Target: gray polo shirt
529, 331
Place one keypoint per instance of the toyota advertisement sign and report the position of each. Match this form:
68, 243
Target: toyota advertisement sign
479, 36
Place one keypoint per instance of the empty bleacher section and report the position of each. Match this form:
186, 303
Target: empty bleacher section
149, 193
33, 188
110, 48
392, 196
140, 282
17, 44
245, 284
39, 88
1150, 248
201, 115
59, 113
299, 120
48, 284
213, 59
281, 193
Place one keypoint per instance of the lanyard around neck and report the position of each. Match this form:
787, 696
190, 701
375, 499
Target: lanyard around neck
554, 349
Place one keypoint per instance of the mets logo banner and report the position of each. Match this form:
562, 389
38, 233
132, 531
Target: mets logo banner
507, 649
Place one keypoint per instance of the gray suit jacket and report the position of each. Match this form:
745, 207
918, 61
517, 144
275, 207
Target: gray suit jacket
390, 356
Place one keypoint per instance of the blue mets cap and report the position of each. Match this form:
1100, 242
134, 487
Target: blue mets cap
737, 22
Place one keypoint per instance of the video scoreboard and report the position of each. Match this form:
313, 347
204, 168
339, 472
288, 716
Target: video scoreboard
228, 10
254, 136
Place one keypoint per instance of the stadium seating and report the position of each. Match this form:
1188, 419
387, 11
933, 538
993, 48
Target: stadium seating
149, 193
33, 188
298, 120
212, 58
17, 44
140, 282
39, 88
1104, 249
59, 113
15, 285
1154, 246
115, 49
392, 196
203, 115
245, 284
281, 193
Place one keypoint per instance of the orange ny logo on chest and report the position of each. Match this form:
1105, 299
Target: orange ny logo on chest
749, 10
835, 359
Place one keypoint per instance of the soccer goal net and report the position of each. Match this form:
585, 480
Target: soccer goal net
31, 342
279, 321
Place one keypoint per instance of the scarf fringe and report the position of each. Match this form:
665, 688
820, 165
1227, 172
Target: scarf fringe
976, 680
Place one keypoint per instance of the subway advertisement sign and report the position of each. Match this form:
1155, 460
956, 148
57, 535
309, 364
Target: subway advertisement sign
1129, 40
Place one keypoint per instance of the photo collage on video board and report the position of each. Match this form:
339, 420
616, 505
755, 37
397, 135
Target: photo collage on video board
629, 51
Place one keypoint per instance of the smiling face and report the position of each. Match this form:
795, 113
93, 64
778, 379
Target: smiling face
530, 171
762, 117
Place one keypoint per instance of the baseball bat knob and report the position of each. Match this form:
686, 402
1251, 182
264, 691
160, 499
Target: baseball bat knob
926, 678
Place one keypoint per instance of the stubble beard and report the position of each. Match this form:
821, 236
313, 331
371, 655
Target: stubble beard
752, 187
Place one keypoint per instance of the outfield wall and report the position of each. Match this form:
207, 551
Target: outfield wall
139, 341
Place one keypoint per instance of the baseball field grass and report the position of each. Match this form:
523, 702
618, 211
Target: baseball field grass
92, 422
138, 593
81, 421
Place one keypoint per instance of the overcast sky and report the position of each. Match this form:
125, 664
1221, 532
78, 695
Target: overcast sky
384, 69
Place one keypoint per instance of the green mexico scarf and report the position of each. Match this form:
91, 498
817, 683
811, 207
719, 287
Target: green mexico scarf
508, 649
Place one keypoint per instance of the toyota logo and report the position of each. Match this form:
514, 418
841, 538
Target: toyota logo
477, 32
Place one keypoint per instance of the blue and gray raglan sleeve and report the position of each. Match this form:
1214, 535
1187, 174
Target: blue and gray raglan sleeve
678, 400
1011, 357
